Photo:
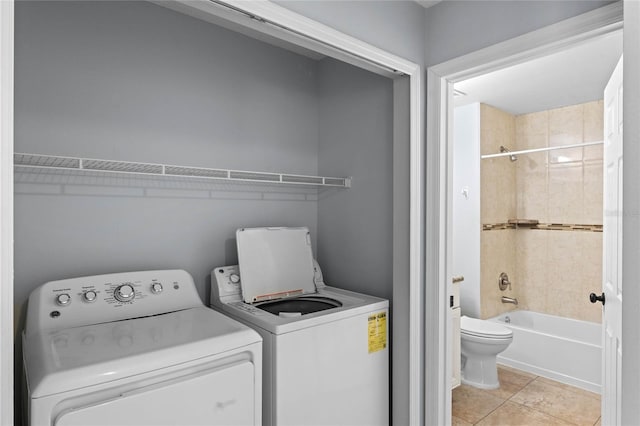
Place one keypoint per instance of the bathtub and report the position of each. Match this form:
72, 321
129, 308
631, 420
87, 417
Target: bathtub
562, 349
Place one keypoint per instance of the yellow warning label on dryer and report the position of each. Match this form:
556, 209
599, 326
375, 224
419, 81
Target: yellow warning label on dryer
377, 332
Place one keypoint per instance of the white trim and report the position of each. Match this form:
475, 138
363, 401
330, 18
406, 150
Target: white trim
326, 36
275, 21
437, 364
416, 253
6, 212
440, 81
535, 44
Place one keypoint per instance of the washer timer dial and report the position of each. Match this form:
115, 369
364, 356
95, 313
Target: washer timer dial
124, 293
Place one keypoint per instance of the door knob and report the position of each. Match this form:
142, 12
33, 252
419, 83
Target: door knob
594, 298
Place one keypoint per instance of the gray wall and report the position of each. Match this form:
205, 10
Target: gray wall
455, 28
631, 220
401, 291
356, 137
135, 81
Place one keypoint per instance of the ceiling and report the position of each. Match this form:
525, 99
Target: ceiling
569, 77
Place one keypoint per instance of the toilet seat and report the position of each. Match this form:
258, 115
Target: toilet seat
481, 328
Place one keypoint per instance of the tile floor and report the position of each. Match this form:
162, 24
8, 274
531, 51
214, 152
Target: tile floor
525, 399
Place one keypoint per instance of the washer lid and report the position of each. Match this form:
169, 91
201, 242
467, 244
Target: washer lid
275, 263
481, 328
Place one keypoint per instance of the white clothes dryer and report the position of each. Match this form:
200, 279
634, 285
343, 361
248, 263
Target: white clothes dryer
137, 348
325, 350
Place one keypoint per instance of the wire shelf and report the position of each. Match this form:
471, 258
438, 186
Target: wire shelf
40, 161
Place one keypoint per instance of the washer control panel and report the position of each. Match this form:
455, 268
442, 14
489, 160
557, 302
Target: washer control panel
226, 291
226, 287
111, 297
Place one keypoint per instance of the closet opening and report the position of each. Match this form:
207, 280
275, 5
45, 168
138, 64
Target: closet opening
125, 89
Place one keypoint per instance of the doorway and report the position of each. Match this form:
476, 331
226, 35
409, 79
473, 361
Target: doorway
528, 203
441, 81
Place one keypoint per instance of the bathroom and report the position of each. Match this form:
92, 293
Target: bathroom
527, 233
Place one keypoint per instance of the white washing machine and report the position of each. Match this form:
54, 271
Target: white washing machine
137, 348
325, 350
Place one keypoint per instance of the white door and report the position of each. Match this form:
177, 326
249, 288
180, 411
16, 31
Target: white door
612, 244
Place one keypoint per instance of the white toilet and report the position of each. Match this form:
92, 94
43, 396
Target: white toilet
481, 342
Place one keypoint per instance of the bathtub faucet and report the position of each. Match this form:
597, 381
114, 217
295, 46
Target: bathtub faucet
513, 300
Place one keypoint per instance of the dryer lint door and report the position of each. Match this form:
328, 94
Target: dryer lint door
275, 263
215, 397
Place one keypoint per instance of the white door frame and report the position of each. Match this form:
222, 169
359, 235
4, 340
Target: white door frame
438, 271
6, 212
277, 22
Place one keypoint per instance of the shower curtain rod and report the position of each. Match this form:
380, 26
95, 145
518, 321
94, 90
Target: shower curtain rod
529, 151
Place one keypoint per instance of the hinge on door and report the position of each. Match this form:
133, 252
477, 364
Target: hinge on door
451, 301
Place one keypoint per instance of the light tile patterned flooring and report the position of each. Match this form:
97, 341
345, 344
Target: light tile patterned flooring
525, 399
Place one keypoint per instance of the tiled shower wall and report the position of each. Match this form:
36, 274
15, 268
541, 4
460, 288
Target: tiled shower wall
555, 269
497, 206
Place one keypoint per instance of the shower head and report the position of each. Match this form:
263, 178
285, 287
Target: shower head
512, 157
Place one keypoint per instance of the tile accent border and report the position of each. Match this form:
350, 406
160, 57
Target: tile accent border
498, 226
543, 227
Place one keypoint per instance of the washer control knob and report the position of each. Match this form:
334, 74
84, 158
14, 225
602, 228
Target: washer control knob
124, 293
235, 278
156, 288
63, 299
89, 296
